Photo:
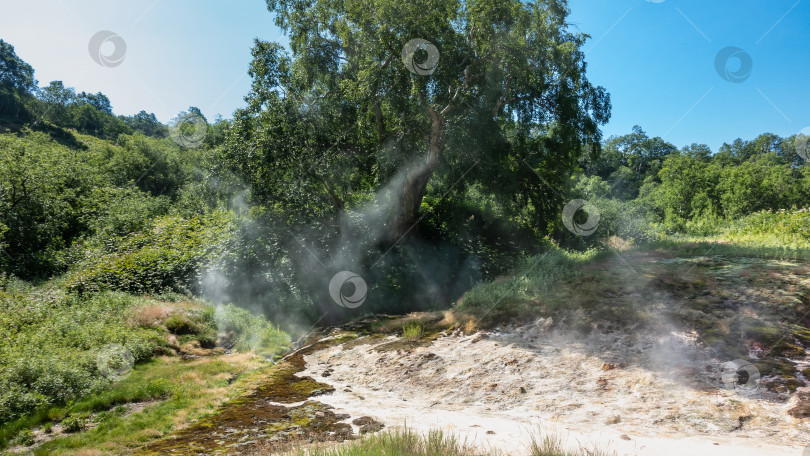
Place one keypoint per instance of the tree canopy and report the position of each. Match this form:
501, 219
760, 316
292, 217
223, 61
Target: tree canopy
16, 81
342, 120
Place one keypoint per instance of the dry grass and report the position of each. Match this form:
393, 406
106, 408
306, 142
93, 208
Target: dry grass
404, 442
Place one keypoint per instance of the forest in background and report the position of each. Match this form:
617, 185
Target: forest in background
106, 202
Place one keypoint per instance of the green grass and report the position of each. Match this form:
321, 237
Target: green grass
770, 234
552, 445
512, 296
249, 332
175, 392
434, 443
413, 330
53, 340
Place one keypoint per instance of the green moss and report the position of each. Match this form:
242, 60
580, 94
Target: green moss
236, 422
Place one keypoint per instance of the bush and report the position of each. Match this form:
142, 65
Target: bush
513, 296
630, 220
52, 341
73, 424
24, 438
786, 230
250, 332
170, 255
179, 324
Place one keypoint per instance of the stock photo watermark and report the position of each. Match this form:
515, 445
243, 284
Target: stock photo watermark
409, 57
114, 361
570, 211
107, 48
733, 64
188, 129
740, 375
348, 289
802, 144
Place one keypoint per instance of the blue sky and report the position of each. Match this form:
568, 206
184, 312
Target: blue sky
656, 58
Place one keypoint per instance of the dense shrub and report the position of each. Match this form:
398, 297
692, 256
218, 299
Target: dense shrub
55, 192
73, 424
247, 331
169, 255
786, 229
52, 340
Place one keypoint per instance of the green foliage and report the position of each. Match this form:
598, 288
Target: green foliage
511, 296
17, 83
779, 234
689, 190
341, 144
86, 112
180, 324
53, 340
694, 190
49, 359
25, 438
631, 220
171, 254
73, 424
626, 161
413, 330
400, 442
146, 123
40, 188
53, 195
249, 332
436, 443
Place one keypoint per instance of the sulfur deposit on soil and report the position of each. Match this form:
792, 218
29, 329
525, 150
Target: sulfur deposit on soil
632, 354
633, 394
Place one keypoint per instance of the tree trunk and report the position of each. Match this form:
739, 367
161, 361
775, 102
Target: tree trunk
406, 212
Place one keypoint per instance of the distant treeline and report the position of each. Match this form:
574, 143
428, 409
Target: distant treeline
22, 101
691, 187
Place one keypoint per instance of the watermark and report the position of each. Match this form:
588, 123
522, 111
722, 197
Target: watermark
348, 289
724, 63
656, 1
581, 229
114, 361
107, 48
740, 375
802, 144
428, 66
188, 129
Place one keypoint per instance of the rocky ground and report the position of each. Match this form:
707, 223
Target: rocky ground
641, 354
654, 393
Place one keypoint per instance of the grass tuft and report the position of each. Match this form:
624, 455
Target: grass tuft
413, 330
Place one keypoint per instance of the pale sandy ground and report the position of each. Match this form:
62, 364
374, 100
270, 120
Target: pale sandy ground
664, 395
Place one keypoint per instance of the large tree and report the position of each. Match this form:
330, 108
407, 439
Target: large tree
493, 95
16, 81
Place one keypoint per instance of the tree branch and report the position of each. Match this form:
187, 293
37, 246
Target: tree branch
502, 98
